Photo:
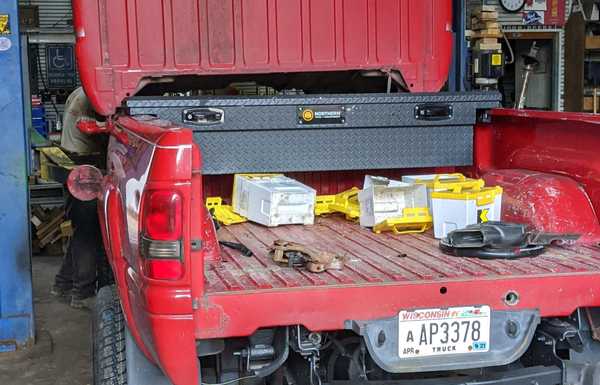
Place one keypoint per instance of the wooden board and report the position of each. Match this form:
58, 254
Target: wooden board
592, 42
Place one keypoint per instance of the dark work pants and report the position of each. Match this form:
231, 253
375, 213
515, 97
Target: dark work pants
85, 253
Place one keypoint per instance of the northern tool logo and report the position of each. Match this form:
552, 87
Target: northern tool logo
308, 115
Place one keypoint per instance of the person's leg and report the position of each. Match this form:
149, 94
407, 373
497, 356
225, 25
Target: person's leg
63, 282
84, 260
85, 250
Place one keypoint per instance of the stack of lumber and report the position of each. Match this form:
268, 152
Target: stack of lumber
50, 226
485, 28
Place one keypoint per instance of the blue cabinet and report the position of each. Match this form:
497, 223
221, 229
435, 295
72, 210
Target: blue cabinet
16, 309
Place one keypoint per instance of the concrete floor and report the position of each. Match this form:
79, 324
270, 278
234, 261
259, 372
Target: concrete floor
62, 356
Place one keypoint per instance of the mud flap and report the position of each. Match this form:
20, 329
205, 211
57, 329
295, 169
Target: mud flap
511, 335
140, 371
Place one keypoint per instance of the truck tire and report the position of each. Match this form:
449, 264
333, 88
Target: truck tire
109, 366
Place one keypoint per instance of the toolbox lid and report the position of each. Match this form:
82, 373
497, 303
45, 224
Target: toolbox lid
122, 45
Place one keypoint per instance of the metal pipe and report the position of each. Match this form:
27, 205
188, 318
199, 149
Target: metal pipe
531, 63
523, 95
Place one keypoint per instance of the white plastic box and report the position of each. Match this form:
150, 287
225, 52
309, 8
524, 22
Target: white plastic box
273, 200
383, 199
459, 208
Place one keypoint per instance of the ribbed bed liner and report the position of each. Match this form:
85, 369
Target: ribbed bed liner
372, 259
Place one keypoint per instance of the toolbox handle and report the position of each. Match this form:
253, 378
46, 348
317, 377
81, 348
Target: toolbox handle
434, 112
461, 184
456, 177
204, 116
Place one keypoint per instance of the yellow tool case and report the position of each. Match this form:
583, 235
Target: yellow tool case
414, 220
224, 214
345, 202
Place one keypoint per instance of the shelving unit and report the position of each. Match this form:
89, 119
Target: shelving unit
547, 84
583, 63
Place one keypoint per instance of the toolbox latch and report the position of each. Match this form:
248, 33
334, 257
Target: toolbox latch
204, 116
434, 112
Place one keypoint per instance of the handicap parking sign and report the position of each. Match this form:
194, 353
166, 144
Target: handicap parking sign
60, 63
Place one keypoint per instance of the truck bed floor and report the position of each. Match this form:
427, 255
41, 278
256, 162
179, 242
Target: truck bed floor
372, 259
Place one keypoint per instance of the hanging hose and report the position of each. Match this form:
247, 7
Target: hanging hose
510, 49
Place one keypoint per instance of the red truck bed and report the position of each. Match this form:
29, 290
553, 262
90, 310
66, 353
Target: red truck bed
372, 259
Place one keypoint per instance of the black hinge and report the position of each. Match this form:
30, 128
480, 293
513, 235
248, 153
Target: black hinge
196, 245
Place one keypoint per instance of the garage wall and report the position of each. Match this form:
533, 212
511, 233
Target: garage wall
53, 13
56, 16
514, 22
514, 19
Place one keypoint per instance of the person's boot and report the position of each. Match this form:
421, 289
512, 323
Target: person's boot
78, 302
59, 292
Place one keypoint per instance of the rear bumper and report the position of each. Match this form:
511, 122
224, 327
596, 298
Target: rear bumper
241, 313
539, 375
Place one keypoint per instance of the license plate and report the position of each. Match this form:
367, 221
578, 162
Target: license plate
436, 332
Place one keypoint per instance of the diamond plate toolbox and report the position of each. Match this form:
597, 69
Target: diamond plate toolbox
325, 132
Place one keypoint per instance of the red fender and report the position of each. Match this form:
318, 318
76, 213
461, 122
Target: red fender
548, 202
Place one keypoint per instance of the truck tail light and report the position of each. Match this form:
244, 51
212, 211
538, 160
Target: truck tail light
163, 213
162, 232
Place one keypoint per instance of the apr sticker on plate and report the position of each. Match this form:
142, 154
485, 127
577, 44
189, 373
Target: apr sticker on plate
435, 332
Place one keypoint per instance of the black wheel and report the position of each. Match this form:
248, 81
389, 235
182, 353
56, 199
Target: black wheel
109, 366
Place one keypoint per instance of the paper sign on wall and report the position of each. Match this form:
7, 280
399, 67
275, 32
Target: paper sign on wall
4, 24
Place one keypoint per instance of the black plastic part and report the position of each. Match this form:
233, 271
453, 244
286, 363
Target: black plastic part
246, 252
494, 240
500, 235
433, 112
492, 253
203, 116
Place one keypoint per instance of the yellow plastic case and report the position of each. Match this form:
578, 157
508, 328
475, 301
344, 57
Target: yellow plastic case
223, 213
345, 203
414, 220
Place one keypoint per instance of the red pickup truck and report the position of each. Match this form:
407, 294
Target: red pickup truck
186, 311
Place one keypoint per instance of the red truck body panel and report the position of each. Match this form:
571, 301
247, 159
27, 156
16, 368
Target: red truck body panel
223, 294
121, 44
384, 273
